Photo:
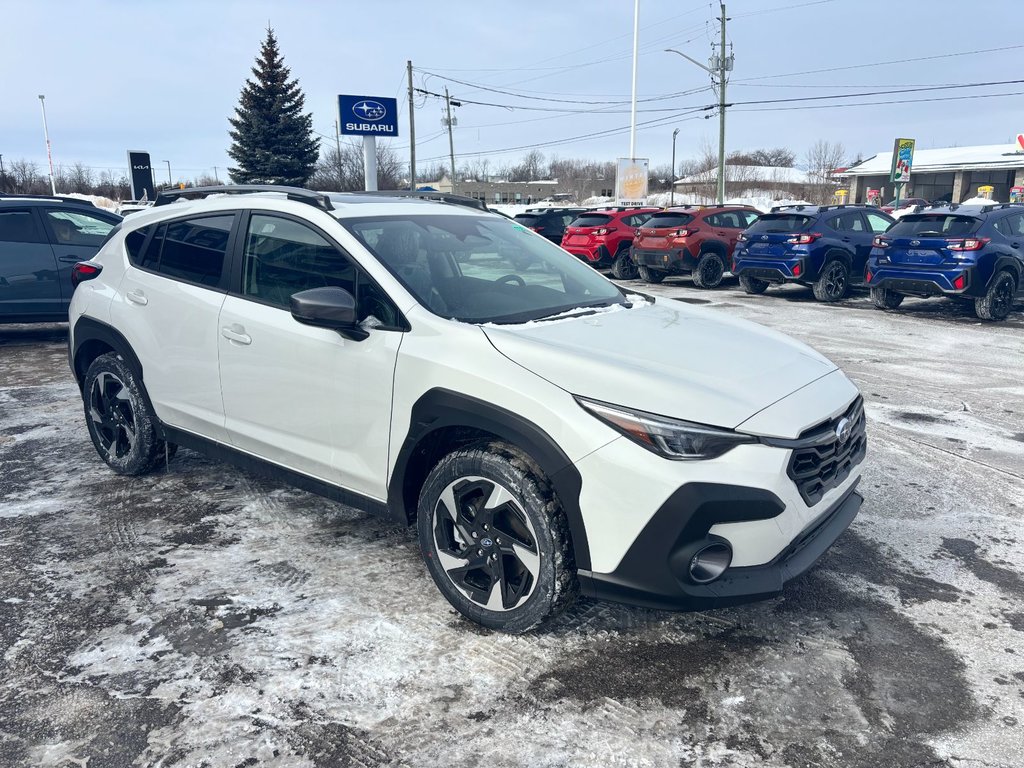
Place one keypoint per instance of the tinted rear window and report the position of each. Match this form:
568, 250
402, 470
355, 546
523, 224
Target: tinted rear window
592, 220
527, 221
780, 222
938, 225
668, 220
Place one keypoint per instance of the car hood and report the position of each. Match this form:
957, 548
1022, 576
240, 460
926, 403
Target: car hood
665, 358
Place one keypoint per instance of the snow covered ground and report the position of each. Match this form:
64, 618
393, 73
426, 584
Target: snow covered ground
203, 617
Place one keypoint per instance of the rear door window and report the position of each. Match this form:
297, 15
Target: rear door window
934, 225
78, 228
659, 220
192, 250
637, 219
527, 221
726, 220
877, 223
781, 222
18, 225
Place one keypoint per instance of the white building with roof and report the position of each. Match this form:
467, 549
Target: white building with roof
950, 173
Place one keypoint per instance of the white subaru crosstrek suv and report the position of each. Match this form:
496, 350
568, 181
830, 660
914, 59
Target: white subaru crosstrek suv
548, 432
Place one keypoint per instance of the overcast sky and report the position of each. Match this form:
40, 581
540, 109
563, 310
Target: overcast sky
164, 76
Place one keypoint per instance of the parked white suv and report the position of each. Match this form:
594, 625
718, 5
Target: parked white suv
546, 431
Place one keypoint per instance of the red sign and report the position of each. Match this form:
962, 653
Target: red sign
1020, 140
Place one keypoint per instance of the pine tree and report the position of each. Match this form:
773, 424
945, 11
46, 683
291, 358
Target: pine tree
273, 140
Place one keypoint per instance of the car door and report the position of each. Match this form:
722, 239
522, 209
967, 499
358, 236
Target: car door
864, 227
302, 397
167, 307
29, 279
75, 236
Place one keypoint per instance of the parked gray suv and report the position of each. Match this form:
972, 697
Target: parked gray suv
41, 239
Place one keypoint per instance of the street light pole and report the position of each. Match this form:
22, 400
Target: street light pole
49, 154
170, 183
672, 176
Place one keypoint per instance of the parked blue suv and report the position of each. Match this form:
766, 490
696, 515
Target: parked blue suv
972, 252
817, 245
41, 240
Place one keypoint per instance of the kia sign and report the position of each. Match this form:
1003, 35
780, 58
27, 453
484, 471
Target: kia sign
631, 181
368, 116
141, 174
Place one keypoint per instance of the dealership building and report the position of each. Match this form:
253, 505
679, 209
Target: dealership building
953, 173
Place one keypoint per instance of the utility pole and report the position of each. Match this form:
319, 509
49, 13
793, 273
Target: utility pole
3, 176
170, 183
721, 111
337, 144
720, 64
412, 132
451, 141
215, 176
672, 176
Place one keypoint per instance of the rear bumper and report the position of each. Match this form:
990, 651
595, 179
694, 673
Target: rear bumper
672, 259
922, 282
785, 269
655, 577
597, 255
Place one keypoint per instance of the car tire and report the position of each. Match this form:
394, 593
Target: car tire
883, 298
623, 267
121, 424
997, 303
833, 281
753, 285
709, 271
649, 275
493, 492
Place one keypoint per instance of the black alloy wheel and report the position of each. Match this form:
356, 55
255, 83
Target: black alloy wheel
494, 537
486, 544
649, 275
883, 298
623, 268
112, 415
833, 283
997, 303
709, 271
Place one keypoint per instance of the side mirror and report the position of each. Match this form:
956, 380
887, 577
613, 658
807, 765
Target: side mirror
331, 307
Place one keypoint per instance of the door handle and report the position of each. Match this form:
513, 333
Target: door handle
846, 239
1015, 245
236, 333
137, 297
69, 259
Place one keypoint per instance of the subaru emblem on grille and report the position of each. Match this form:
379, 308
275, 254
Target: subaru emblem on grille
915, 243
764, 237
843, 430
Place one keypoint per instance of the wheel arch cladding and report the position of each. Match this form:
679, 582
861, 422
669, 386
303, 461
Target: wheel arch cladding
92, 339
716, 247
442, 421
840, 254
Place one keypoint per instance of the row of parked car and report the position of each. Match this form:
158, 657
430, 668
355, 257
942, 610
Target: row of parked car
968, 253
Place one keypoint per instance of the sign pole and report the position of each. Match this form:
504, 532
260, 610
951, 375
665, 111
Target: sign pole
370, 162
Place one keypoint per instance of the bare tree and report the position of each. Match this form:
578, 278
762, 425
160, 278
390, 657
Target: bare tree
779, 157
530, 168
823, 158
342, 171
78, 178
24, 178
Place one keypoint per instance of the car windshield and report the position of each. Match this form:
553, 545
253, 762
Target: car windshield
480, 269
591, 220
528, 220
668, 220
936, 225
780, 222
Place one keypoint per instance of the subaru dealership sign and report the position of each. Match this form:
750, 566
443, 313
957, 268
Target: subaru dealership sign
368, 116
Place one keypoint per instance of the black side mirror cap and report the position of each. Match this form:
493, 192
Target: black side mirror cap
329, 307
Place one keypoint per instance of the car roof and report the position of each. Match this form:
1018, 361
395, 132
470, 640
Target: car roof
45, 200
811, 210
963, 210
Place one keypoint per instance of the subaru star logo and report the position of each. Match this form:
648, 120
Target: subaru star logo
764, 237
486, 543
843, 430
369, 110
915, 242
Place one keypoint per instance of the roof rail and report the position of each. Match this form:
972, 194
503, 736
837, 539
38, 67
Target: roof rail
58, 198
440, 197
787, 207
318, 199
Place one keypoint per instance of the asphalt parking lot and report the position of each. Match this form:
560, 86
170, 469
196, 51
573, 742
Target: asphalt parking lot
201, 616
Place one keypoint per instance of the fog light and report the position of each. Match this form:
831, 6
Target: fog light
960, 282
797, 269
710, 562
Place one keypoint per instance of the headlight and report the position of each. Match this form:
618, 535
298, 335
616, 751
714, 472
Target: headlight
670, 438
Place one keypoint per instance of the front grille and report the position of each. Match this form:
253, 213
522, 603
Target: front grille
820, 461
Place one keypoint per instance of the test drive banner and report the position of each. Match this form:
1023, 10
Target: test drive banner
141, 175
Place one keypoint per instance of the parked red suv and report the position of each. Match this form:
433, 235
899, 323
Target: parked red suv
690, 239
602, 237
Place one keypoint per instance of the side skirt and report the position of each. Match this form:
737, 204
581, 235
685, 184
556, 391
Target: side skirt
272, 471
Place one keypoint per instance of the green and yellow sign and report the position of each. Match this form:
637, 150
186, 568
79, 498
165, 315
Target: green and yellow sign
902, 159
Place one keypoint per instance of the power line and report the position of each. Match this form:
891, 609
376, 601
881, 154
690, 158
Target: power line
783, 8
894, 101
883, 63
879, 93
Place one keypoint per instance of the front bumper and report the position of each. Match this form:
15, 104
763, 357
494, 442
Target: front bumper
641, 579
670, 259
921, 282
